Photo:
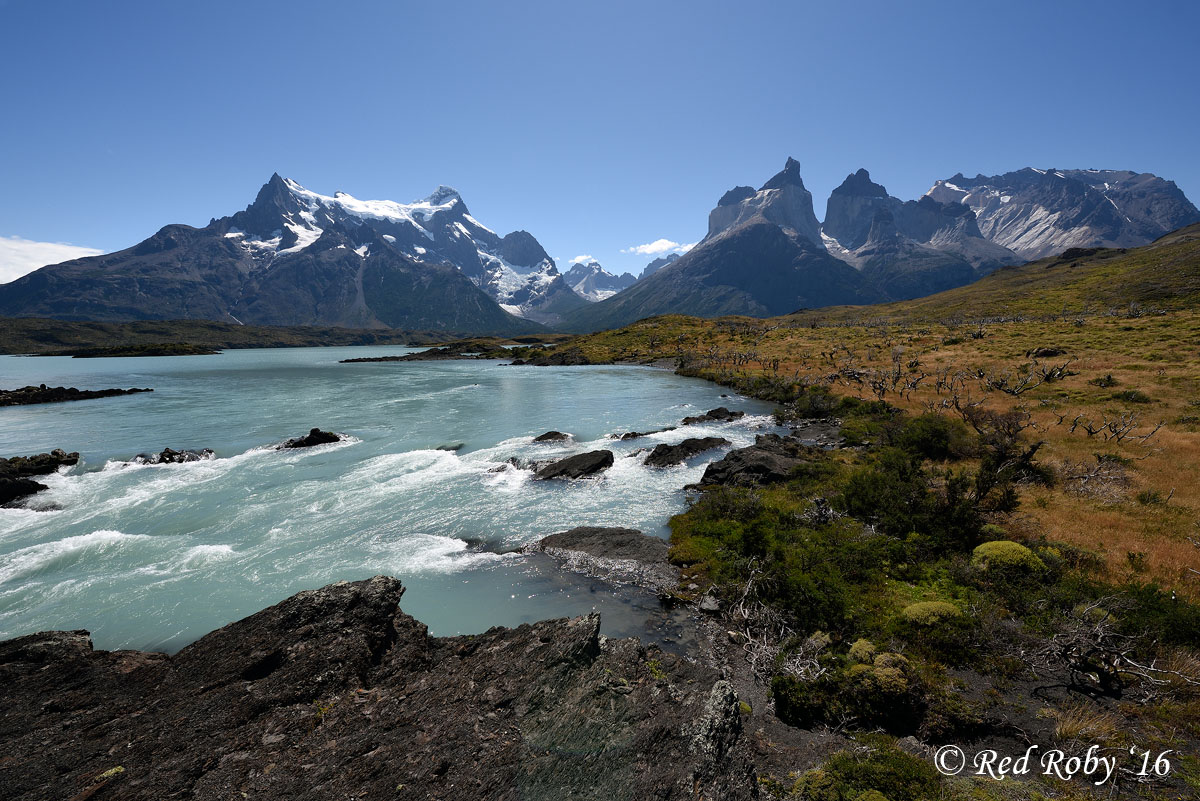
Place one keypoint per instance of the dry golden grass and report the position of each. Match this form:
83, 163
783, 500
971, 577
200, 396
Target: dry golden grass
1085, 722
1144, 370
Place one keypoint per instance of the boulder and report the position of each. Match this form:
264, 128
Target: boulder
552, 436
579, 466
717, 415
13, 489
667, 455
314, 437
770, 459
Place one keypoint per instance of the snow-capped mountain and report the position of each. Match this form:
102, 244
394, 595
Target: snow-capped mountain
1040, 213
514, 270
294, 257
593, 283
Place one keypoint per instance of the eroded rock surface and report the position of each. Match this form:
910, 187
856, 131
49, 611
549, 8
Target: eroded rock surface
336, 693
581, 465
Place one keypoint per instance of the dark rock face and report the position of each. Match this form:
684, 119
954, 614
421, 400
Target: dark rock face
717, 415
44, 394
665, 455
170, 456
16, 473
770, 459
336, 693
579, 466
314, 437
552, 436
663, 261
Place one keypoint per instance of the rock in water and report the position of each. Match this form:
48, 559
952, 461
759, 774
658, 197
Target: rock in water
336, 693
16, 473
667, 455
579, 466
620, 555
717, 415
770, 459
314, 437
552, 436
170, 456
26, 396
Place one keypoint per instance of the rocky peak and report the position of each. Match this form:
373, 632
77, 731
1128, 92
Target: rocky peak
788, 176
662, 261
520, 248
860, 184
736, 195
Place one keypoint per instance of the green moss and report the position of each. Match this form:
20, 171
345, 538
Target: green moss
885, 771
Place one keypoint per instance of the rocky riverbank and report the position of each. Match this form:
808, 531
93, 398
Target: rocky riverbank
336, 693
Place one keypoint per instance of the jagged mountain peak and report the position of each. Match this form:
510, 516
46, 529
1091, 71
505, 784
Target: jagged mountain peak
788, 176
860, 183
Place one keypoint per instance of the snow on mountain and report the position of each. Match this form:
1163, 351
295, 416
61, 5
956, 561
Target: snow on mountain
514, 270
593, 283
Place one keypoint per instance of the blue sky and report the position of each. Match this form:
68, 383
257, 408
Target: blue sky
598, 127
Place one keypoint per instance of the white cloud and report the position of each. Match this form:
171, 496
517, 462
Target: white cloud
586, 258
658, 247
20, 256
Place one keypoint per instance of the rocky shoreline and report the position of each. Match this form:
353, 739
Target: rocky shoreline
29, 395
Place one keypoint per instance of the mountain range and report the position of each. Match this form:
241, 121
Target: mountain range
295, 257
766, 253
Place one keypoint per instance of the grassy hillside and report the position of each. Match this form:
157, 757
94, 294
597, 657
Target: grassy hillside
1163, 275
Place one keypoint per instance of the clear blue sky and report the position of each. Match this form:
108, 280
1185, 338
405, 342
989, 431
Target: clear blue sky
595, 126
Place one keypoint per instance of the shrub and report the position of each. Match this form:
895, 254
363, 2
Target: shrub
930, 613
887, 694
885, 770
1133, 396
1006, 556
934, 436
1104, 381
862, 651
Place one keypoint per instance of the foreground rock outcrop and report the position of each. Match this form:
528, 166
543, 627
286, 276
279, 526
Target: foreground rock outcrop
16, 473
26, 396
336, 693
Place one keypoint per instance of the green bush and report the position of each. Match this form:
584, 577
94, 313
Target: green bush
1133, 396
885, 770
931, 613
1006, 556
887, 694
934, 436
862, 651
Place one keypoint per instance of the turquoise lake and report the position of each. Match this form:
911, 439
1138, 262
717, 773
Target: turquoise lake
153, 557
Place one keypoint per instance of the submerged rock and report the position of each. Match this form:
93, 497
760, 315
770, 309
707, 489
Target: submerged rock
552, 436
170, 456
639, 434
717, 415
770, 459
314, 437
579, 466
336, 693
667, 455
